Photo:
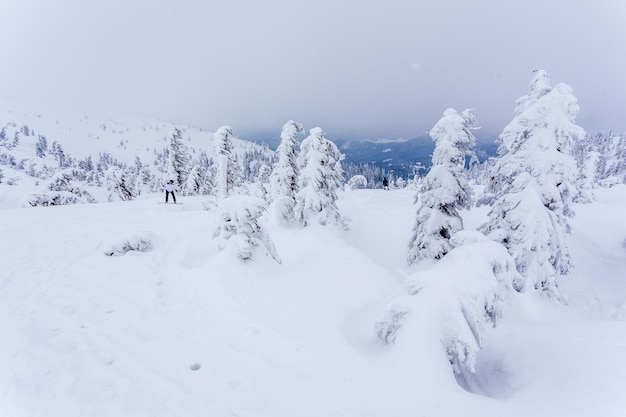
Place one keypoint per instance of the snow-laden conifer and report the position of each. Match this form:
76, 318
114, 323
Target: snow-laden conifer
284, 176
320, 176
143, 180
178, 158
262, 183
239, 227
118, 186
228, 173
586, 181
193, 183
533, 184
444, 190
209, 181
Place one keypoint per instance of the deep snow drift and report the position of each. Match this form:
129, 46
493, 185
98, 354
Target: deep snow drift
129, 309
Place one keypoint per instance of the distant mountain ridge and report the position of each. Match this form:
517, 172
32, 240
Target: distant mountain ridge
401, 156
397, 156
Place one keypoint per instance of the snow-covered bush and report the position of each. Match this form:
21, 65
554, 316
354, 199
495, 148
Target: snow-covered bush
116, 246
239, 228
357, 182
451, 309
62, 190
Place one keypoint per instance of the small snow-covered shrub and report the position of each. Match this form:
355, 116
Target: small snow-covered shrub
357, 182
58, 198
62, 190
118, 246
386, 330
239, 227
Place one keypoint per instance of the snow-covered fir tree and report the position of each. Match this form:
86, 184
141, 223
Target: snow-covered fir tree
284, 177
193, 184
228, 174
143, 180
178, 158
444, 190
319, 163
533, 183
118, 186
586, 181
209, 185
262, 183
41, 147
611, 166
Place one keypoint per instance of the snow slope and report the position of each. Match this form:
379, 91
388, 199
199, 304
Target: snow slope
185, 330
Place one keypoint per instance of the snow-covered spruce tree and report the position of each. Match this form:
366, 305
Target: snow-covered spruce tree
118, 187
284, 177
144, 180
533, 184
319, 163
63, 189
239, 228
178, 158
262, 183
586, 181
41, 147
228, 174
209, 186
444, 190
193, 184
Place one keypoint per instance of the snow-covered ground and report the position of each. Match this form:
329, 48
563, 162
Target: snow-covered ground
183, 329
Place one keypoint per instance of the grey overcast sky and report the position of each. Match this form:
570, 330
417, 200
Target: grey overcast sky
356, 68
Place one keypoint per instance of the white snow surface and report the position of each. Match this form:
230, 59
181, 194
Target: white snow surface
180, 328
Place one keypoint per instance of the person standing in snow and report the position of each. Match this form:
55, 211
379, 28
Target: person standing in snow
385, 183
170, 187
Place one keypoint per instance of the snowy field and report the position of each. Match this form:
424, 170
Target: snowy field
182, 329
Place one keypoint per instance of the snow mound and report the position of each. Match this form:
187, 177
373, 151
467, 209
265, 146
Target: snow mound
450, 308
